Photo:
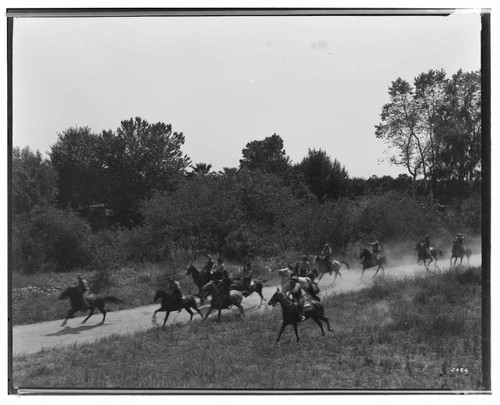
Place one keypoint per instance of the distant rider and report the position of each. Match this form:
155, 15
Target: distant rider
427, 245
327, 254
297, 295
175, 287
376, 248
304, 267
82, 286
459, 241
207, 269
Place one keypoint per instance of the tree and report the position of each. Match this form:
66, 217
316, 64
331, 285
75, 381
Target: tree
201, 169
267, 155
434, 128
325, 179
74, 157
34, 181
459, 128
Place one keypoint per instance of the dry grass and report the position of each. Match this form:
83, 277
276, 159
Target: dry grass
398, 334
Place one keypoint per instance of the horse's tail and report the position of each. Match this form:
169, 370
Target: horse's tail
112, 298
347, 265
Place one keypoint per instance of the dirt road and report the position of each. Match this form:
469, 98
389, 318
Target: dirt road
28, 339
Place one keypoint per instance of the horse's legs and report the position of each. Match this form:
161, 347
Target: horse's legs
218, 315
103, 315
241, 309
90, 314
283, 326
190, 313
321, 275
320, 325
70, 313
208, 313
297, 331
324, 318
166, 317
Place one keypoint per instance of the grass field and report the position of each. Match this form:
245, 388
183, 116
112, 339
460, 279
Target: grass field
34, 296
418, 333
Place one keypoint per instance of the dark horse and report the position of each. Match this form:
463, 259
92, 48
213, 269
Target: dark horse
200, 278
220, 301
372, 260
290, 312
423, 255
170, 304
248, 286
458, 251
328, 265
92, 302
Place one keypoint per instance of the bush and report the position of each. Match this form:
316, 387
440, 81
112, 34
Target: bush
50, 239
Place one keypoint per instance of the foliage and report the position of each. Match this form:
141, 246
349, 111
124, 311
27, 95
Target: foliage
118, 170
50, 239
34, 181
434, 127
267, 155
325, 179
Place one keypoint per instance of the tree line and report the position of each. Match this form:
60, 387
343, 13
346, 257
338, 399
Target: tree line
132, 194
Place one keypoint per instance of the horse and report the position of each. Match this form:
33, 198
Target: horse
169, 305
324, 267
200, 278
370, 260
423, 255
219, 301
458, 251
248, 286
306, 283
290, 312
92, 302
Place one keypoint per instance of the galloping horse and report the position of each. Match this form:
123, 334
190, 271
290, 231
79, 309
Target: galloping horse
200, 278
314, 311
423, 255
328, 265
77, 304
219, 301
306, 283
458, 251
169, 305
248, 286
370, 260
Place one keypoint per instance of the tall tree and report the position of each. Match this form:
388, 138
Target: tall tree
325, 179
267, 155
433, 128
74, 156
34, 181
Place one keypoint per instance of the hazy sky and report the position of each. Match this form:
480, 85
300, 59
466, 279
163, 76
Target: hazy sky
318, 82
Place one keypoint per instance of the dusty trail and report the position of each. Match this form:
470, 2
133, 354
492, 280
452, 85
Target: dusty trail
29, 339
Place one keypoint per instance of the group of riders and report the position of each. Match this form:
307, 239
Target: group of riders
223, 281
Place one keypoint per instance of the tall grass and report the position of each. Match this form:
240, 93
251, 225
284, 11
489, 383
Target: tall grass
385, 337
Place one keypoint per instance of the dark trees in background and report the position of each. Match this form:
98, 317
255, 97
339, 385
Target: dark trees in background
34, 181
118, 170
434, 127
267, 155
325, 179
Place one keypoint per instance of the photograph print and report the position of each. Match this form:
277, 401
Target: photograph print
249, 201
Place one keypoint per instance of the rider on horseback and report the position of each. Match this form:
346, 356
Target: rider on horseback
82, 286
297, 295
327, 253
376, 248
175, 287
426, 243
304, 267
207, 269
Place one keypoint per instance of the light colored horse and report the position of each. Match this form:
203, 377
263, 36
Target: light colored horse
305, 283
323, 267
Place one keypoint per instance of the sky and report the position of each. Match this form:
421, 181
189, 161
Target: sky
318, 82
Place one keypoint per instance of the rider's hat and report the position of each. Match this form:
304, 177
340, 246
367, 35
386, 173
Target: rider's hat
220, 259
304, 257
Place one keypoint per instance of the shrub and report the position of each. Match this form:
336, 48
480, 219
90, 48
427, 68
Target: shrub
50, 239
